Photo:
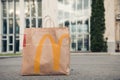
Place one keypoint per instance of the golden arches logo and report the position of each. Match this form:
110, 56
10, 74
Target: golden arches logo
55, 48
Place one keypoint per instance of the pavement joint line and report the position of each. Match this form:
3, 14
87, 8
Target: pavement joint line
95, 54
75, 54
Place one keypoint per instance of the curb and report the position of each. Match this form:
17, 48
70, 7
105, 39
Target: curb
95, 54
3, 57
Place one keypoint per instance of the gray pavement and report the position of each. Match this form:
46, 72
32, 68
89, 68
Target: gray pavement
83, 67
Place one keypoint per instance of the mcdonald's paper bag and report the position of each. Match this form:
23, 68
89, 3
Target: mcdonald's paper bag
46, 51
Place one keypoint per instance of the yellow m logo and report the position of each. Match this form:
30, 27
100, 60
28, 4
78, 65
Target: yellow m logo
55, 48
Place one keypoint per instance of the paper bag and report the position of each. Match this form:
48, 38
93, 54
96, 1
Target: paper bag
46, 51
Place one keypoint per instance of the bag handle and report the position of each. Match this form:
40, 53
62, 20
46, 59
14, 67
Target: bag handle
48, 19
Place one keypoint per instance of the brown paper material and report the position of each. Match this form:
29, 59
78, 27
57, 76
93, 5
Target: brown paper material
46, 51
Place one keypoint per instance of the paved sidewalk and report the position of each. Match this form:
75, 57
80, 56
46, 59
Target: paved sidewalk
83, 67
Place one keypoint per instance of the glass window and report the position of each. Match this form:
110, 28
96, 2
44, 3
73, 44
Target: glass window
10, 8
80, 43
10, 39
86, 42
33, 8
73, 43
79, 4
73, 36
17, 44
61, 1
75, 14
4, 13
10, 47
4, 26
73, 27
27, 8
33, 12
39, 8
4, 4
11, 26
33, 22
27, 23
17, 26
86, 4
4, 45
67, 23
39, 22
74, 5
17, 8
4, 9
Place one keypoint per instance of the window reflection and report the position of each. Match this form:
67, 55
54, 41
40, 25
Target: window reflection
86, 42
17, 8
27, 23
18, 44
39, 22
74, 5
33, 12
39, 7
75, 14
67, 24
11, 9
17, 26
86, 3
4, 9
63, 13
11, 26
4, 45
73, 42
79, 4
80, 43
33, 22
33, 8
10, 39
73, 27
27, 8
10, 47
4, 26
4, 13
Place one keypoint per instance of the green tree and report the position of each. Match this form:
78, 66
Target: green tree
98, 43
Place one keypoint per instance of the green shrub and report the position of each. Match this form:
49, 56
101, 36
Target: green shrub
98, 43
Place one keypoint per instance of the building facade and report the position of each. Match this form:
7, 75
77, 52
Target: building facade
16, 15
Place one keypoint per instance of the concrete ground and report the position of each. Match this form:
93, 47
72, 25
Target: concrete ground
83, 67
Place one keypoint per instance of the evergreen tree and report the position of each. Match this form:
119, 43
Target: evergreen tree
98, 43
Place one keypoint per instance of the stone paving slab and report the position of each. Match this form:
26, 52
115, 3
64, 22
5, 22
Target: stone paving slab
86, 67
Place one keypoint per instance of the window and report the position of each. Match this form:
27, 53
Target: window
33, 13
75, 14
8, 27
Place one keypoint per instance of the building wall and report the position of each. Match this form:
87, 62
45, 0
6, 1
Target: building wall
110, 24
117, 25
22, 24
0, 27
